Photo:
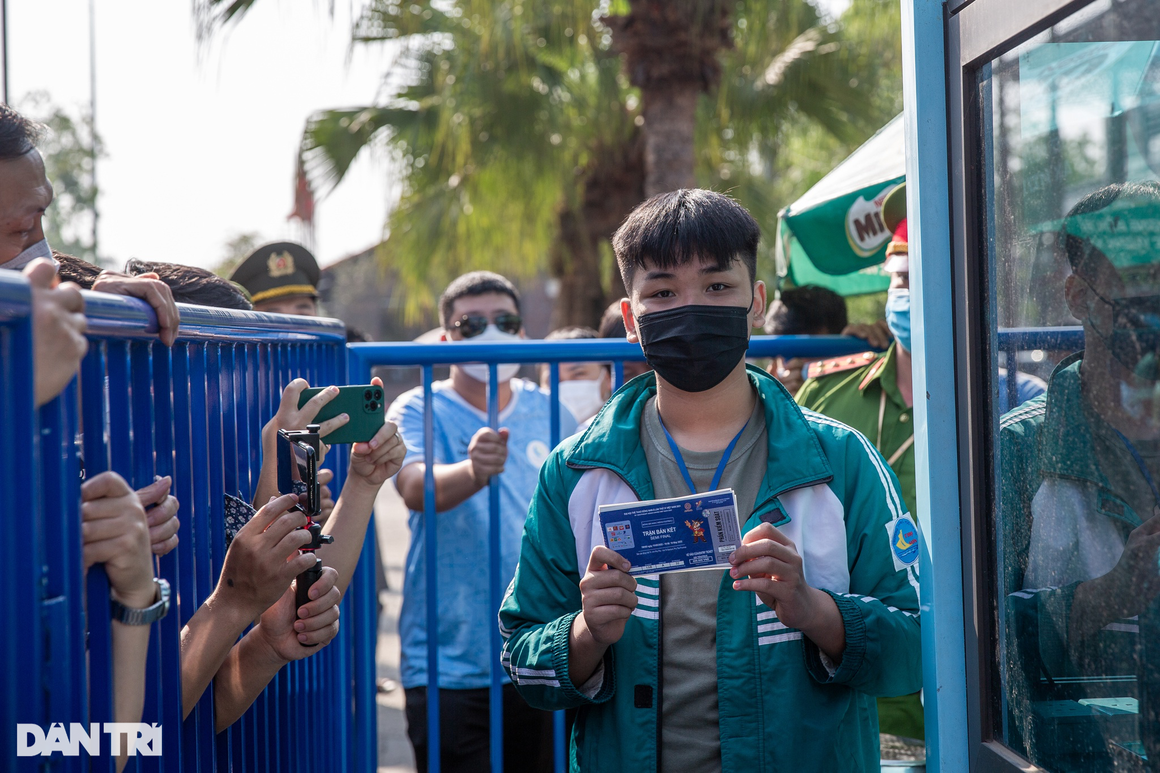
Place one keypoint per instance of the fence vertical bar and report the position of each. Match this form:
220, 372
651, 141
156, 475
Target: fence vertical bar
1012, 383
189, 488
169, 629
143, 422
219, 480
62, 611
118, 435
363, 744
97, 445
22, 700
495, 582
434, 755
559, 742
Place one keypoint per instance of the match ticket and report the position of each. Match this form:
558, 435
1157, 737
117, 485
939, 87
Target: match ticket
672, 535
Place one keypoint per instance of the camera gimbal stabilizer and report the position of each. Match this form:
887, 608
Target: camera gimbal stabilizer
298, 454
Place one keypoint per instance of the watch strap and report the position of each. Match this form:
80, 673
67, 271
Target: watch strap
150, 614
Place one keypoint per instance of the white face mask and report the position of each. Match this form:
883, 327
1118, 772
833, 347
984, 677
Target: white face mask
38, 250
479, 370
582, 397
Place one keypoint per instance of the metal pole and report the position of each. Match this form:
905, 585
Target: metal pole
92, 119
495, 583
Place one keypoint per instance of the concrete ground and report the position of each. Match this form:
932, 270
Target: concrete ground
395, 754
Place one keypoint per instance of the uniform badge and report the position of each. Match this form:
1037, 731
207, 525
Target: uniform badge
280, 264
903, 536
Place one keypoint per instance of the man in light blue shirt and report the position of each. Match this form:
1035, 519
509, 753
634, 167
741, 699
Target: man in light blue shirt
479, 306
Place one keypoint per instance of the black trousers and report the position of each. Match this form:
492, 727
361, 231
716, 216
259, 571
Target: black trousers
464, 724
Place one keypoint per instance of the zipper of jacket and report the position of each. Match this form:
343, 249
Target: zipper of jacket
660, 674
659, 698
660, 640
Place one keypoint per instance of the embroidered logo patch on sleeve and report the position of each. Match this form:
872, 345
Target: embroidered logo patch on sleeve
903, 541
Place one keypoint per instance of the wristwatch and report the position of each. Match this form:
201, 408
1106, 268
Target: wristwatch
148, 615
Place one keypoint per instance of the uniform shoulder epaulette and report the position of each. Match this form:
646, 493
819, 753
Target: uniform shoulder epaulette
839, 364
873, 372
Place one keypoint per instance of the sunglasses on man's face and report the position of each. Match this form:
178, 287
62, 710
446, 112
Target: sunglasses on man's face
471, 325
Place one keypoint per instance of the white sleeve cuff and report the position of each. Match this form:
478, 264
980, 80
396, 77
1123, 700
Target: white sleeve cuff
591, 688
831, 666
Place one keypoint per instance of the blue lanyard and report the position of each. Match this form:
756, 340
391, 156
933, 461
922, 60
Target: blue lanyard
1139, 463
720, 466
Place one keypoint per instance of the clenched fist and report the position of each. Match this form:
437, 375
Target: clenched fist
488, 454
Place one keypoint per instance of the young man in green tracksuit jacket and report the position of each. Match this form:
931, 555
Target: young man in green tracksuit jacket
773, 665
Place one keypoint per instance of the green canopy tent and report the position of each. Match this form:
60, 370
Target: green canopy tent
834, 236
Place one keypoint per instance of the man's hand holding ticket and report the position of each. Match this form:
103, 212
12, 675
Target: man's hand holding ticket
699, 531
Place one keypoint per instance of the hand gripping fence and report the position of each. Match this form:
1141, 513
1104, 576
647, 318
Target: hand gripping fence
193, 412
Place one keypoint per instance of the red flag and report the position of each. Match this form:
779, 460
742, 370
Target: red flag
303, 198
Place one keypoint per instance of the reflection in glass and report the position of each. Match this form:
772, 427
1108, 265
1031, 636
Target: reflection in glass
1070, 139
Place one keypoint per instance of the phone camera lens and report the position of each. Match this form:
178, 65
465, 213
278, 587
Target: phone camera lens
378, 394
367, 395
374, 406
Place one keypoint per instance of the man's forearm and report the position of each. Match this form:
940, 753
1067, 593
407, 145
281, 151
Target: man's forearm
348, 525
130, 652
827, 629
206, 640
584, 652
454, 484
248, 668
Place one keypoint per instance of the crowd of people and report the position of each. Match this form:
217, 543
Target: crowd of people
817, 611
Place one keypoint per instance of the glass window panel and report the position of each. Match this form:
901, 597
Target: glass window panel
1069, 141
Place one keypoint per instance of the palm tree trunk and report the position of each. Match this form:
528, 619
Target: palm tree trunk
670, 49
576, 264
613, 185
669, 120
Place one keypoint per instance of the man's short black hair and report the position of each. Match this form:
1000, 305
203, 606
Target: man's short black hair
807, 310
612, 323
72, 269
673, 229
471, 284
193, 285
1085, 259
18, 135
574, 333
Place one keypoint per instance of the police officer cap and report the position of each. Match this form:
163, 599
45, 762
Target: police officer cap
278, 270
894, 217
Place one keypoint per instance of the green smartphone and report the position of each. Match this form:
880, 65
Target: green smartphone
364, 405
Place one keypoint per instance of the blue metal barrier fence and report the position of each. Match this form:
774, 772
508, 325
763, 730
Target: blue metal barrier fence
194, 412
365, 357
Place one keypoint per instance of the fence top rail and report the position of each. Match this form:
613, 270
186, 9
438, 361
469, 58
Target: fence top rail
122, 317
582, 350
1051, 338
119, 316
609, 349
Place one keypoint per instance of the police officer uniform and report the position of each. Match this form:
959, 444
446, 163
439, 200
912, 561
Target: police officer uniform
278, 270
861, 390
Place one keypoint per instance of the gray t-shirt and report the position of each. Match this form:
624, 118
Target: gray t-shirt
690, 734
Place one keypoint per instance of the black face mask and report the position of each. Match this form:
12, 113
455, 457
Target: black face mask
694, 347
